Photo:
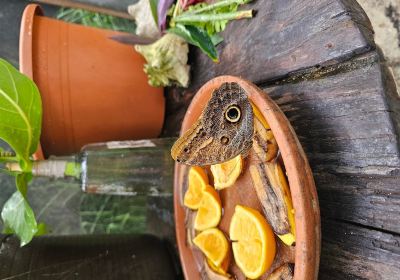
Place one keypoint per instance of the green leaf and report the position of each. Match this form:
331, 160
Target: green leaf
20, 113
153, 7
42, 229
213, 17
197, 37
217, 39
19, 218
21, 118
21, 181
204, 7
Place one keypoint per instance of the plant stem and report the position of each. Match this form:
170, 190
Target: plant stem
50, 168
216, 5
188, 18
177, 10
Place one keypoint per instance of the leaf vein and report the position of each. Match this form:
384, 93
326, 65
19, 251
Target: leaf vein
24, 118
13, 127
10, 111
31, 101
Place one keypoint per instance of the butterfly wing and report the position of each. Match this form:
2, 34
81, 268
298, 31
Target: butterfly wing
223, 131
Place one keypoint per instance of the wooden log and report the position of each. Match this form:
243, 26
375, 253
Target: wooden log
353, 252
372, 201
343, 120
286, 36
349, 133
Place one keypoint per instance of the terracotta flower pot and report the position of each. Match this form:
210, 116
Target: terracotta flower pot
306, 252
93, 89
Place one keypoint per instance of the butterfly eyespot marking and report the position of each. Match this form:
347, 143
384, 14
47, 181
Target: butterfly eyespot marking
186, 150
233, 114
224, 140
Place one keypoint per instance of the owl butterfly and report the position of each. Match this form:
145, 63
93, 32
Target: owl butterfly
223, 131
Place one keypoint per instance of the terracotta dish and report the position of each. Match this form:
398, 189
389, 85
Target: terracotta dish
306, 252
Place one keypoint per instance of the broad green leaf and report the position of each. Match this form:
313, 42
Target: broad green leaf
19, 218
20, 125
20, 113
153, 7
197, 37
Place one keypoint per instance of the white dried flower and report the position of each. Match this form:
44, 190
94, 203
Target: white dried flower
166, 61
145, 24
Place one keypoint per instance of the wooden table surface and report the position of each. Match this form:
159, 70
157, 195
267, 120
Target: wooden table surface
318, 61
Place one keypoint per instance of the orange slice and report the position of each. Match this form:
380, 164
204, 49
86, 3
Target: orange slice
212, 242
209, 212
218, 269
225, 174
253, 241
198, 181
223, 267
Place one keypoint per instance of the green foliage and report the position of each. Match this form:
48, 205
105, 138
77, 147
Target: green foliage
212, 27
21, 118
93, 19
153, 7
197, 37
19, 218
201, 23
20, 113
216, 39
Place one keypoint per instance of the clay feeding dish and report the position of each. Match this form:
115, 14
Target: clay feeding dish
306, 252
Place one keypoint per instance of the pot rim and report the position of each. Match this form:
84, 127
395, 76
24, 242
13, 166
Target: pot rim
25, 51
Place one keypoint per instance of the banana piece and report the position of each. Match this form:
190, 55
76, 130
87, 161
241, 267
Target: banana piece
264, 143
270, 182
278, 179
285, 272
